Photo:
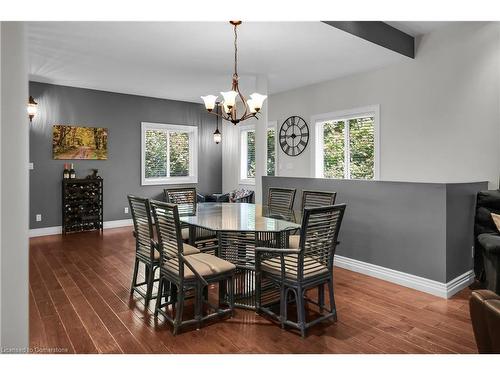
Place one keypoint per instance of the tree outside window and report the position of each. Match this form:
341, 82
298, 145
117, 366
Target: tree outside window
348, 148
169, 154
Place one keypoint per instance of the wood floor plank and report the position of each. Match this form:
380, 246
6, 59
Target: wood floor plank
121, 334
77, 333
122, 310
387, 315
378, 296
101, 337
55, 332
37, 336
86, 278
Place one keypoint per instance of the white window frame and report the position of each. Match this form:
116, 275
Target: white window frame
318, 121
242, 153
273, 125
193, 154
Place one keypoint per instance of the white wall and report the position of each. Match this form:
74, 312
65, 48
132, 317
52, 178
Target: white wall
14, 187
439, 113
230, 159
231, 156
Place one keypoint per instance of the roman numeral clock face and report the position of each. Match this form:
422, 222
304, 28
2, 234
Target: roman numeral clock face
294, 136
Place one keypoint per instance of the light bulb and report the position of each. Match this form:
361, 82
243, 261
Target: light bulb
209, 101
217, 136
257, 100
229, 98
226, 108
251, 106
32, 108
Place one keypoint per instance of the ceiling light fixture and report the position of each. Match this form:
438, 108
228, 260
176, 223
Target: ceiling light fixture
217, 134
229, 110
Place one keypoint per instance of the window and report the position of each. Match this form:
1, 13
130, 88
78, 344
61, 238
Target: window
271, 149
169, 154
247, 155
347, 144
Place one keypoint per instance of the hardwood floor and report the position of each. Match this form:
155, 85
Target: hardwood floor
80, 303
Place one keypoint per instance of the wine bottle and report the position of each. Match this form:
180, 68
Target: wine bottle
66, 171
72, 173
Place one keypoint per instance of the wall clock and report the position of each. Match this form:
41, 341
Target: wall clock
294, 136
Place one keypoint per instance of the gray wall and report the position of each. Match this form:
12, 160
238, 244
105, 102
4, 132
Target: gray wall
460, 200
424, 229
122, 114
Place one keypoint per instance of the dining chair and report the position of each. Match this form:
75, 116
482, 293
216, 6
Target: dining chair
299, 270
317, 198
187, 198
311, 199
180, 272
281, 198
145, 249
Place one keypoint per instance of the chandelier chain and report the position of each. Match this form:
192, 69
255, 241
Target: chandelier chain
235, 52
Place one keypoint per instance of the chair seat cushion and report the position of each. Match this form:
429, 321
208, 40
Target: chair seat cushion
293, 241
311, 266
490, 242
207, 265
188, 250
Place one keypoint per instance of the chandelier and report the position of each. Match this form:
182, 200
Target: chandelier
234, 101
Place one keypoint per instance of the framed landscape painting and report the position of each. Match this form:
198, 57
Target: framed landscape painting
77, 142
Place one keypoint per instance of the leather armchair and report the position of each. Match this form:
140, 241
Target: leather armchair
485, 315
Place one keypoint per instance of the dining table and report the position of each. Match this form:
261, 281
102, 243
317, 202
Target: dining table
240, 228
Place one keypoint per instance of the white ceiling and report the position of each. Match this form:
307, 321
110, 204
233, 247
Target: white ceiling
183, 60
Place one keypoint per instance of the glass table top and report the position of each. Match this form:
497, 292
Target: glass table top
243, 217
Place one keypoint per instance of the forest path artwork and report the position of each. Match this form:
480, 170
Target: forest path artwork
76, 142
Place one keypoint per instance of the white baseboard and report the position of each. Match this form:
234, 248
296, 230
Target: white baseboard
38, 232
444, 290
458, 283
118, 223
45, 231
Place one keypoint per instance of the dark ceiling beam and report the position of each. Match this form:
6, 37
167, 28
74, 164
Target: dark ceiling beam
379, 33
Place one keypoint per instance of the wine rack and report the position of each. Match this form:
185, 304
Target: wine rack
82, 205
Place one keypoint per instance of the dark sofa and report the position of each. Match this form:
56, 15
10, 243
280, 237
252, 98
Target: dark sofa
487, 240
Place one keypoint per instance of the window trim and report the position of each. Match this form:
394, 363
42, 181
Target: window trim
243, 180
193, 154
317, 122
273, 125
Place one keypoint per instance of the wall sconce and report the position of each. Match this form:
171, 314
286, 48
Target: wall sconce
32, 108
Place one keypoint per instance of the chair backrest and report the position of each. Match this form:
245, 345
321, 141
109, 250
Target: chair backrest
143, 227
168, 229
186, 197
281, 197
318, 238
315, 198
